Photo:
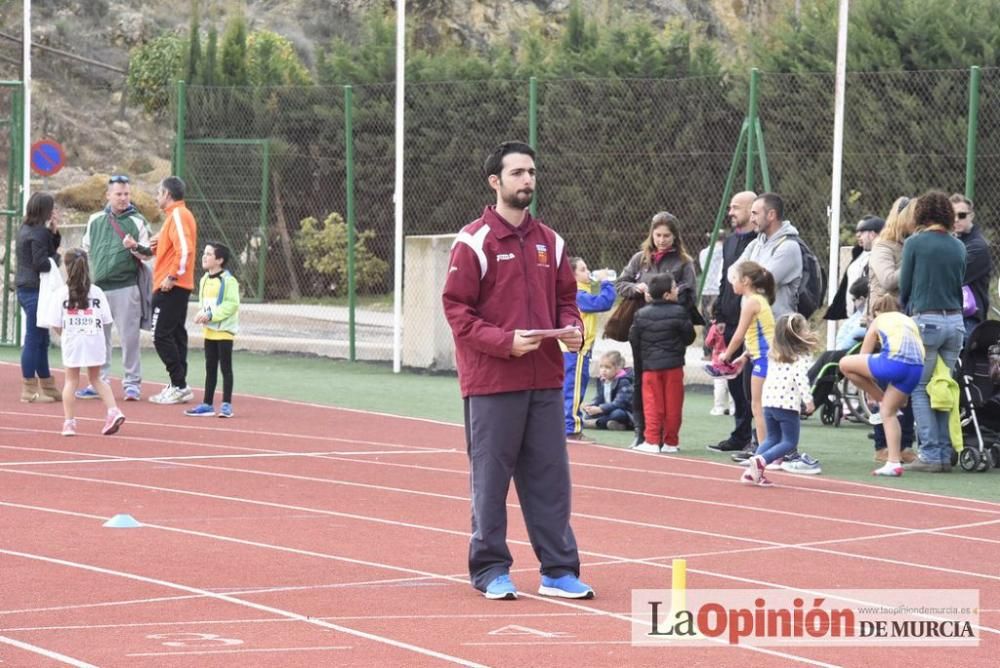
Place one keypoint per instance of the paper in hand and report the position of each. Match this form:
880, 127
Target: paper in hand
549, 333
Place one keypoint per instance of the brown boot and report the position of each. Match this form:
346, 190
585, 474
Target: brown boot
908, 455
31, 393
881, 455
49, 389
29, 390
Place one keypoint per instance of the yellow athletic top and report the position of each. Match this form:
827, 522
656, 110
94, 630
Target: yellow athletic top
760, 333
900, 338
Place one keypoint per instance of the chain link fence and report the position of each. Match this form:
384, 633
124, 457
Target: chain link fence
611, 153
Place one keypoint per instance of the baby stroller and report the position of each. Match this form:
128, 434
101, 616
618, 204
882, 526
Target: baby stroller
980, 400
834, 396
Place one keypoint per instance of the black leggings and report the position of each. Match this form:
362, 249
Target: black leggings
218, 353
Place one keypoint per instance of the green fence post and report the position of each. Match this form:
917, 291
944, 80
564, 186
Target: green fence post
752, 120
178, 166
13, 207
765, 173
349, 186
726, 194
265, 180
533, 130
973, 131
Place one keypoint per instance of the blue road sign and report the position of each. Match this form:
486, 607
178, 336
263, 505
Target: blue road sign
47, 157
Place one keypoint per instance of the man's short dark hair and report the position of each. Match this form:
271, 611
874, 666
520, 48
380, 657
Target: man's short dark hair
221, 252
660, 285
773, 202
494, 161
174, 186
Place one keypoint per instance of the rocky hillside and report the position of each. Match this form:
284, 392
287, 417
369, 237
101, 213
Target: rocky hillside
80, 103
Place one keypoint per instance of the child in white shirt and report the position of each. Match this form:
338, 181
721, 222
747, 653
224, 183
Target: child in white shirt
83, 313
786, 388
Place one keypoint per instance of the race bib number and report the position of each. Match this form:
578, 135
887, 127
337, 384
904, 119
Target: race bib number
82, 321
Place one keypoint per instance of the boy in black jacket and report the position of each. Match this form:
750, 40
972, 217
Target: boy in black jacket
660, 335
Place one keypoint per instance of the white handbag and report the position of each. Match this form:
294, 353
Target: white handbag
50, 285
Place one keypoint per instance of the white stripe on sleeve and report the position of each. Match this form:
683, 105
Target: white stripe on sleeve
185, 251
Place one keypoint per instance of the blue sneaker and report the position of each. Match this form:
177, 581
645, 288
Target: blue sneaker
201, 410
501, 589
567, 586
226, 410
87, 393
133, 393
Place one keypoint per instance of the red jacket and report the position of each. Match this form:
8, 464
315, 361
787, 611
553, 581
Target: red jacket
498, 282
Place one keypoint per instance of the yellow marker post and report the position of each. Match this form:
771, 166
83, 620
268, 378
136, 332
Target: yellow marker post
678, 586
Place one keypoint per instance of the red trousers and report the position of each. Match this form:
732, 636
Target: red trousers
662, 405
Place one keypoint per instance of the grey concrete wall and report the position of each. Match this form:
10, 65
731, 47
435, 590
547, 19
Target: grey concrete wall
427, 340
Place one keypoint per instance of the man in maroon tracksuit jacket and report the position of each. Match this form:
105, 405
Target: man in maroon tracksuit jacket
508, 278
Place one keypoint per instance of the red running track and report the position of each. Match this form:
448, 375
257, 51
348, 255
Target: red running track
297, 535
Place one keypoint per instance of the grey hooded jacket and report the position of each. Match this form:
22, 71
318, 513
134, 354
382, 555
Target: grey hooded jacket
781, 256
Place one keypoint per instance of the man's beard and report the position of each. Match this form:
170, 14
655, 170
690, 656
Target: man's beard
520, 199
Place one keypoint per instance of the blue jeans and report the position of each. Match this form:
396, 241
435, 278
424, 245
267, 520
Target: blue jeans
942, 336
782, 433
35, 351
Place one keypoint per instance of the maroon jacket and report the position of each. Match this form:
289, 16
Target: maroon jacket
498, 281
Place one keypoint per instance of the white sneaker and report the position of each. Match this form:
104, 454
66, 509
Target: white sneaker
875, 419
173, 395
670, 449
647, 447
162, 393
716, 411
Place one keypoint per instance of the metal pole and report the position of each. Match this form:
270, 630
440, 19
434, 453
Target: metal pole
26, 100
838, 159
13, 208
727, 192
349, 185
265, 181
533, 131
765, 173
752, 120
397, 297
973, 131
178, 167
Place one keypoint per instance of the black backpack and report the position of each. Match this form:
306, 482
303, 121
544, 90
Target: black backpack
813, 283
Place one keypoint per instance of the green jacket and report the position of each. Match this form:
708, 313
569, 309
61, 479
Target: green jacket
224, 312
112, 266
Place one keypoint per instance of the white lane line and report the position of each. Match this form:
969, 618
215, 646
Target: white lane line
271, 620
105, 459
241, 591
869, 496
894, 529
462, 580
321, 622
47, 653
464, 534
651, 495
243, 651
173, 427
459, 426
249, 604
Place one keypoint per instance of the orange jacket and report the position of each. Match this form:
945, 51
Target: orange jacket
177, 247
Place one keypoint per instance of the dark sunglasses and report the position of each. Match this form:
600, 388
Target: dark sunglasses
902, 204
118, 178
961, 215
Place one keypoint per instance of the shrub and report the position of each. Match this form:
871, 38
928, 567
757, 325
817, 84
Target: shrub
153, 68
324, 247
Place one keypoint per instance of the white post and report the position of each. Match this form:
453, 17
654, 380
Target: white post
838, 159
397, 298
26, 82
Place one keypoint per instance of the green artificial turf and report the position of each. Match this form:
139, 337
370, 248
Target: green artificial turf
845, 452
